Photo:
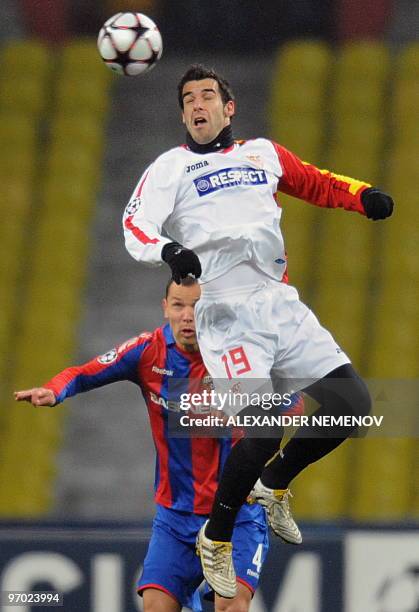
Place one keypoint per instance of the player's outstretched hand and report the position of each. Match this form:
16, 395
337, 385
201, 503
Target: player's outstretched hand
38, 396
183, 262
376, 203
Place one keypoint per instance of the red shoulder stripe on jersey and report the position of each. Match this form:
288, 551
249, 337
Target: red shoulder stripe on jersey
141, 185
139, 234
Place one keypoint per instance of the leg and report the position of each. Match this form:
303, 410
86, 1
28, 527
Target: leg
158, 601
243, 467
240, 603
169, 581
311, 443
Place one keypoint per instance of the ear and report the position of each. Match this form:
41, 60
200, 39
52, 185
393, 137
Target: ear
183, 117
230, 108
164, 307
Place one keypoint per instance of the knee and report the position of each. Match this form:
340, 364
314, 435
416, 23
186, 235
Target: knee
360, 398
260, 450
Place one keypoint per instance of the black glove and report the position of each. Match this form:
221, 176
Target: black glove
182, 261
376, 203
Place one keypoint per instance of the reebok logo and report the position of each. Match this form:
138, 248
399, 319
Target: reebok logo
162, 371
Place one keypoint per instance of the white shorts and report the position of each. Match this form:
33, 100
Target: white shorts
252, 334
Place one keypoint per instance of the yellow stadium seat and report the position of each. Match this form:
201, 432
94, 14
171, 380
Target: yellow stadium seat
306, 60
17, 128
321, 491
408, 62
382, 479
74, 160
81, 58
26, 94
289, 100
302, 135
355, 99
84, 129
81, 95
406, 100
354, 163
352, 131
364, 61
26, 57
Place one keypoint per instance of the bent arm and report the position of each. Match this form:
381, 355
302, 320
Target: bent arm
150, 205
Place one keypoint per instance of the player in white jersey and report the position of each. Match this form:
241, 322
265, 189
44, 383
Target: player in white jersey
209, 209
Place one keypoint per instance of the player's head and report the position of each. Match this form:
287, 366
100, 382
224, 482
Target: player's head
178, 307
207, 103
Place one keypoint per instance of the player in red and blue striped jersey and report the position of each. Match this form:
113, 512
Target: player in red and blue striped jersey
187, 468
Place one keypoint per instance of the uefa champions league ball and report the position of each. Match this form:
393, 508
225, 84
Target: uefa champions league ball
130, 43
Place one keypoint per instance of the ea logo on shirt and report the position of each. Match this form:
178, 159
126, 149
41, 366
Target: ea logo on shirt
108, 357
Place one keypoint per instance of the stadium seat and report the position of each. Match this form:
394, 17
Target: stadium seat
321, 492
364, 61
382, 489
83, 129
407, 64
25, 57
306, 60
79, 95
302, 135
80, 58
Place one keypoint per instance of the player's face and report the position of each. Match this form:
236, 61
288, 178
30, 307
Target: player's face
204, 112
179, 309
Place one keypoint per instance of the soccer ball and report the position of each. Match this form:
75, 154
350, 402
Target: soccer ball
130, 43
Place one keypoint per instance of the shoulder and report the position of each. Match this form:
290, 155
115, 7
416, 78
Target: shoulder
179, 153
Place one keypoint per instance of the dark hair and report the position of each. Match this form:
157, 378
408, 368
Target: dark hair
185, 282
198, 72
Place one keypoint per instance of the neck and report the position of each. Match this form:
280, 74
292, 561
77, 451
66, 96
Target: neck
188, 348
222, 141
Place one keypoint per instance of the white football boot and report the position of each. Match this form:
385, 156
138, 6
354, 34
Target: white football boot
217, 564
276, 501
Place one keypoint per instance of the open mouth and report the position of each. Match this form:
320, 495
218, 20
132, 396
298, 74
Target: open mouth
199, 121
188, 331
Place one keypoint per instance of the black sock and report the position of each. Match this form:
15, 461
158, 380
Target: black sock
243, 467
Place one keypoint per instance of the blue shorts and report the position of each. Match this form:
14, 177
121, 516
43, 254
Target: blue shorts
172, 565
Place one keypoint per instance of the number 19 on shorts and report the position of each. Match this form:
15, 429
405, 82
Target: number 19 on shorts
236, 362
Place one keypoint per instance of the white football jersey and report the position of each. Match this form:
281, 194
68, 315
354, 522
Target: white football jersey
221, 205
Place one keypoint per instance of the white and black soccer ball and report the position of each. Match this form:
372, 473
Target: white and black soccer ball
130, 43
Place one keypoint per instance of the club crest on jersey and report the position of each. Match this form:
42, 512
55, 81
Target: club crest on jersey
255, 159
108, 357
229, 177
133, 206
